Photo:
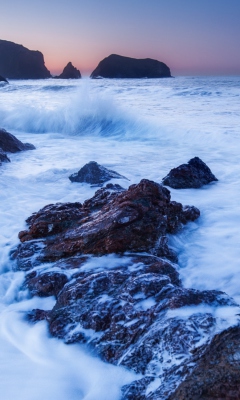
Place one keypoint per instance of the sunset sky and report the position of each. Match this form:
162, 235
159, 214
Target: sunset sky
191, 36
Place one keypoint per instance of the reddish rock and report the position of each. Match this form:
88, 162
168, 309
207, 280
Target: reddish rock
137, 219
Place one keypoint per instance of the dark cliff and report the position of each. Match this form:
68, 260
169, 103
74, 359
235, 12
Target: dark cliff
116, 66
18, 62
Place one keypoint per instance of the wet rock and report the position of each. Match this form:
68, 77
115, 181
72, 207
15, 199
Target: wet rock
2, 79
137, 219
216, 373
18, 62
3, 157
69, 72
95, 174
115, 66
11, 144
194, 174
45, 283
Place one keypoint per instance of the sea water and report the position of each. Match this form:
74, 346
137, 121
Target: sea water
141, 129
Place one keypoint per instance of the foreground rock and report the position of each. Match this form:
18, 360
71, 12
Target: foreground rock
194, 174
69, 72
2, 79
3, 157
11, 144
130, 308
95, 174
137, 219
18, 62
115, 66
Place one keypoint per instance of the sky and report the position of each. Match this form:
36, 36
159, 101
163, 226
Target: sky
193, 37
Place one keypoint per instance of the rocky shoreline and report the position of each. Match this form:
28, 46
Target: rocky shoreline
117, 288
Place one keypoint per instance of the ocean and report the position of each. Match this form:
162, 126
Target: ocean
141, 129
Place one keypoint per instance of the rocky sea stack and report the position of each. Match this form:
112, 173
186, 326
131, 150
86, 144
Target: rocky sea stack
115, 66
69, 72
18, 62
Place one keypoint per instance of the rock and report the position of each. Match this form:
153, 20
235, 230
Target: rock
95, 174
18, 62
45, 283
11, 144
216, 373
69, 72
115, 66
3, 156
137, 219
194, 174
131, 309
2, 79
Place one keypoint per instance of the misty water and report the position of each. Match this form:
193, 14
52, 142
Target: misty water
141, 129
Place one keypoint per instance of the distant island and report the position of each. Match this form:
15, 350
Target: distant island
115, 66
18, 62
69, 72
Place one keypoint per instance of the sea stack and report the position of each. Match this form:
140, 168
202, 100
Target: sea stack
69, 72
18, 62
115, 66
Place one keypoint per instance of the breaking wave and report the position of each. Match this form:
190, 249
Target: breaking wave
59, 109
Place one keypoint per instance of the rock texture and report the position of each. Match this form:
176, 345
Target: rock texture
95, 174
2, 79
130, 308
115, 66
18, 62
11, 144
137, 219
194, 174
69, 72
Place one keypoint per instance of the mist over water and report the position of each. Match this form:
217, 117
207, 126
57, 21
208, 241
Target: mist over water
141, 129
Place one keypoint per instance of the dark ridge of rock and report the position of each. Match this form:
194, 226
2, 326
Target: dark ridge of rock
2, 79
18, 62
137, 219
3, 157
115, 66
139, 316
11, 144
216, 374
95, 174
131, 308
69, 72
194, 174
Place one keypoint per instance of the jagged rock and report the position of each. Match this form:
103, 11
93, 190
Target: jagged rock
194, 174
18, 62
11, 144
137, 219
3, 156
115, 66
95, 174
216, 373
2, 79
131, 309
69, 72
45, 283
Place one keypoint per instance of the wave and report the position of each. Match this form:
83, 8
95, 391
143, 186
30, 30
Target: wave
81, 114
